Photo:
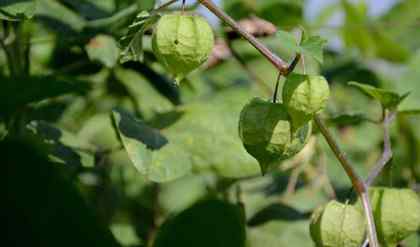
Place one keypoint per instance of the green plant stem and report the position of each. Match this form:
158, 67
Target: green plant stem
283, 68
276, 88
387, 151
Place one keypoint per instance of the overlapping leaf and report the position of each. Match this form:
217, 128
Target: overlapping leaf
13, 10
132, 42
310, 46
154, 156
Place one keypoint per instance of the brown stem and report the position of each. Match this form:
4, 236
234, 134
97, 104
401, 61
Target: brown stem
245, 66
357, 182
165, 5
273, 58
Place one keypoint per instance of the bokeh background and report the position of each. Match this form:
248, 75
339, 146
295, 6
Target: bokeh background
67, 180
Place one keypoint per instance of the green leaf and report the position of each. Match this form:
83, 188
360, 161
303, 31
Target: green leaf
343, 120
208, 131
314, 46
182, 193
277, 233
288, 41
388, 99
125, 234
64, 146
13, 10
104, 49
311, 46
409, 112
132, 42
282, 13
207, 224
59, 18
36, 88
154, 156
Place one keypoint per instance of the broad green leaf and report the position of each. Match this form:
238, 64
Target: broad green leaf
210, 223
278, 233
355, 30
371, 38
65, 147
91, 9
410, 112
282, 13
314, 46
343, 120
388, 99
132, 42
288, 41
311, 46
58, 17
183, 193
36, 88
389, 48
104, 49
13, 10
154, 156
125, 234
276, 211
402, 18
208, 131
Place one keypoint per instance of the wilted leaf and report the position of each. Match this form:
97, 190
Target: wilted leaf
388, 99
206, 224
104, 49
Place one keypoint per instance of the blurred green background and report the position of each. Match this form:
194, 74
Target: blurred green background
69, 182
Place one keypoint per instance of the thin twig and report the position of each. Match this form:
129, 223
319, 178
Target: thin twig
276, 89
356, 181
387, 152
183, 6
245, 66
273, 58
165, 5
